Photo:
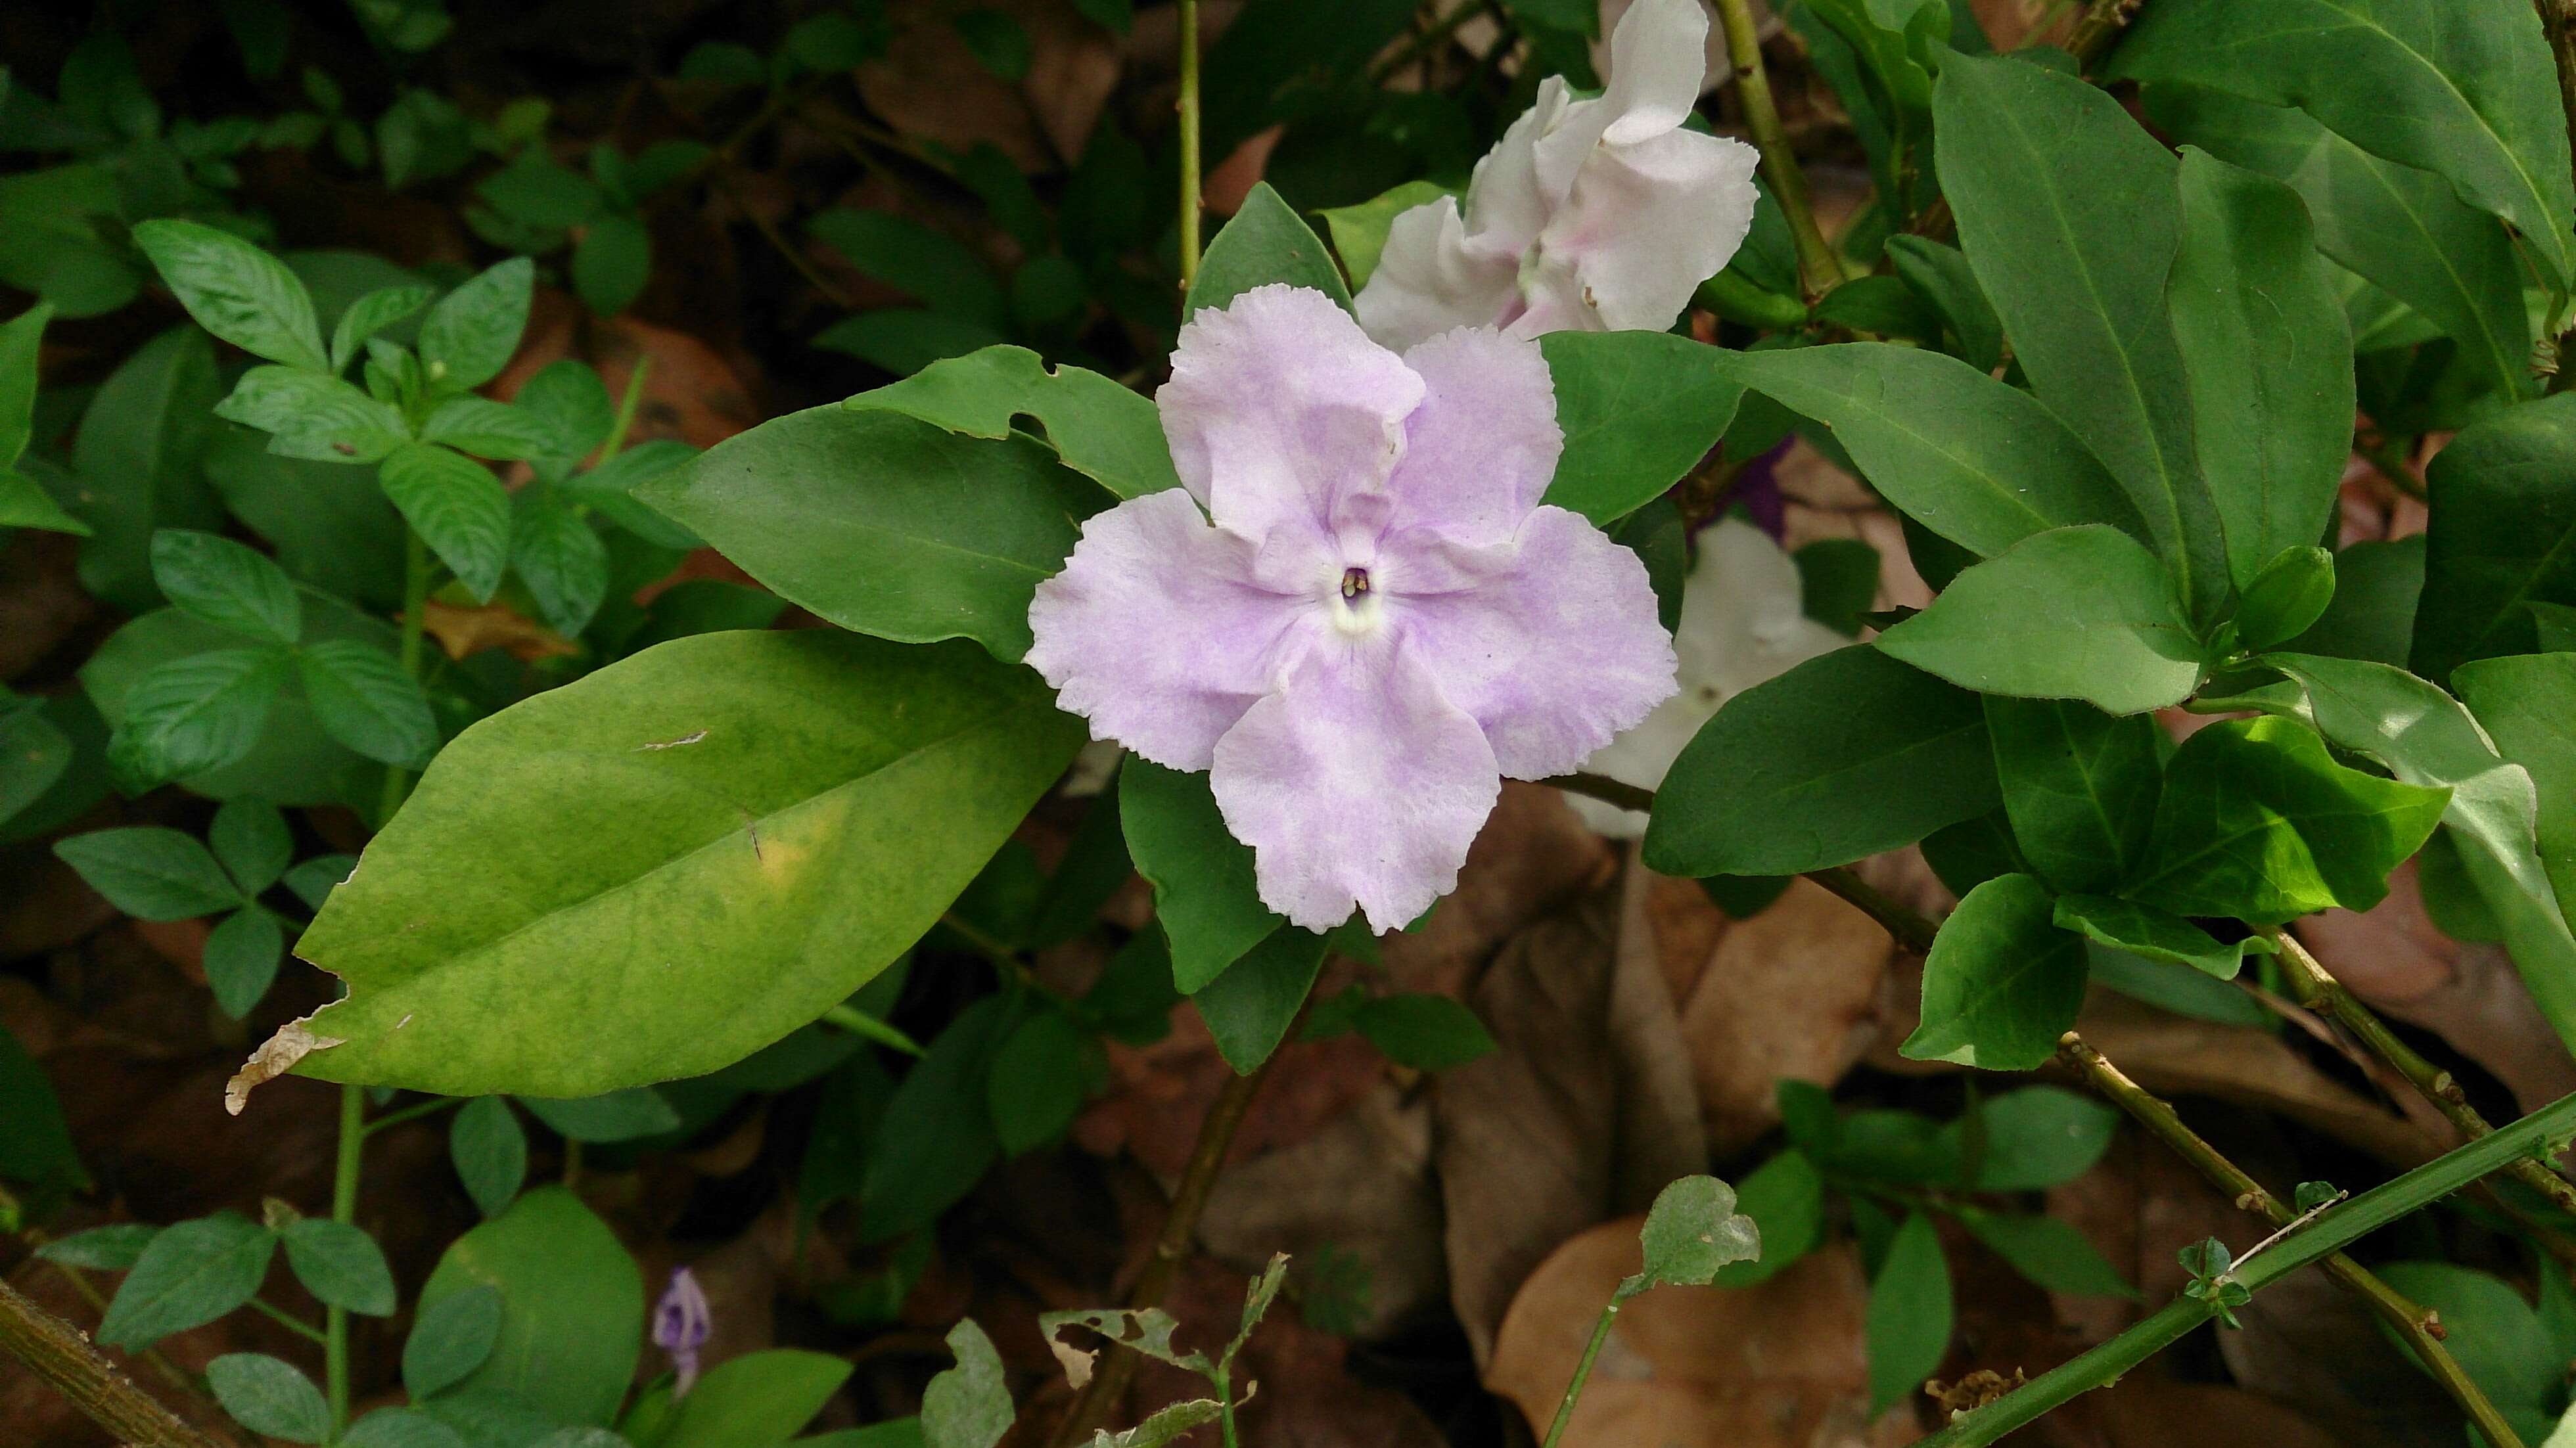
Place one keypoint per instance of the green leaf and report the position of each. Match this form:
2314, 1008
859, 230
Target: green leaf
2462, 87
489, 429
236, 291
1037, 1083
1168, 1423
400, 1428
269, 1397
150, 873
195, 714
2527, 705
936, 1138
314, 880
38, 1149
969, 1405
1359, 231
2403, 229
2286, 596
942, 274
250, 839
36, 756
470, 335
1104, 431
365, 701
2142, 930
24, 503
490, 1151
1692, 1233
2067, 212
572, 1316
1265, 241
341, 1265
2258, 822
2503, 533
568, 397
1204, 891
451, 1339
2425, 737
137, 453
1425, 1032
1639, 409
904, 340
2038, 1137
757, 1400
112, 1248
2268, 356
331, 527
1842, 757
1941, 276
459, 509
2001, 982
887, 525
561, 559
312, 415
372, 313
2074, 613
241, 957
1250, 1007
226, 584
791, 811
54, 220
2489, 1330
21, 342
2053, 1254
193, 1273
1977, 462
1785, 1197
1907, 1326
2079, 787
612, 262
622, 1115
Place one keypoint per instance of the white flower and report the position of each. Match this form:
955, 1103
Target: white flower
1742, 622
1589, 215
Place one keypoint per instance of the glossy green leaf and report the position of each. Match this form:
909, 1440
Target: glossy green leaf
372, 313
310, 415
194, 714
2258, 822
150, 873
2527, 705
2286, 596
241, 957
1250, 1007
2050, 1252
1423, 1031
1639, 409
2079, 787
568, 397
365, 701
2489, 1329
1982, 464
2001, 982
269, 1397
2037, 1137
1842, 757
2160, 935
2426, 737
340, 1264
236, 291
792, 810
191, 1274
1693, 1232
1106, 432
451, 1339
2462, 87
1359, 231
561, 559
2502, 534
470, 335
1941, 276
1785, 1197
459, 509
572, 1315
226, 584
757, 1400
1907, 1326
1265, 241
489, 429
2268, 357
885, 524
2074, 613
490, 1151
2068, 214
1204, 891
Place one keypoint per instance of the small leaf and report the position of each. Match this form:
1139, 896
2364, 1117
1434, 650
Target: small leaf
150, 873
113, 1248
250, 839
313, 880
612, 262
2038, 1137
561, 559
2053, 1254
572, 1320
568, 397
1250, 1007
1106, 432
2143, 930
968, 1406
1037, 1084
2286, 597
226, 584
451, 1339
364, 700
341, 1265
241, 957
470, 335
194, 714
400, 1428
1264, 242
755, 1400
624, 1115
372, 313
1166, 1424
1205, 896
21, 339
269, 1397
1639, 409
191, 1274
489, 429
490, 1150
1359, 231
2316, 1196
1909, 1318
2079, 787
2001, 982
1693, 1231
1425, 1032
459, 509
311, 415
236, 291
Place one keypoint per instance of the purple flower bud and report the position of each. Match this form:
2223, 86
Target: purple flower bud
681, 1322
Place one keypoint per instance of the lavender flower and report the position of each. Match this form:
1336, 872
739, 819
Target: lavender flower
1383, 620
1589, 215
681, 1323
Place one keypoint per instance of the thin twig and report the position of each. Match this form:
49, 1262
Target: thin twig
61, 1354
1189, 108
2318, 990
1819, 270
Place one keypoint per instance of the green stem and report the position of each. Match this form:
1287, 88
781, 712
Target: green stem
1225, 1409
1582, 1372
414, 623
868, 1028
626, 409
431, 1107
1189, 105
344, 1210
1819, 270
2323, 1238
293, 1323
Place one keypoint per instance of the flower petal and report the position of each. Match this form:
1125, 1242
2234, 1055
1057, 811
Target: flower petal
1658, 65
1647, 223
1505, 206
1279, 404
1479, 452
1356, 784
1156, 633
1550, 641
1431, 278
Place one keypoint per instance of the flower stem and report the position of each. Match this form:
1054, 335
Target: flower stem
1189, 108
1819, 270
2099, 25
414, 622
344, 1210
61, 1354
2314, 987
1582, 1371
